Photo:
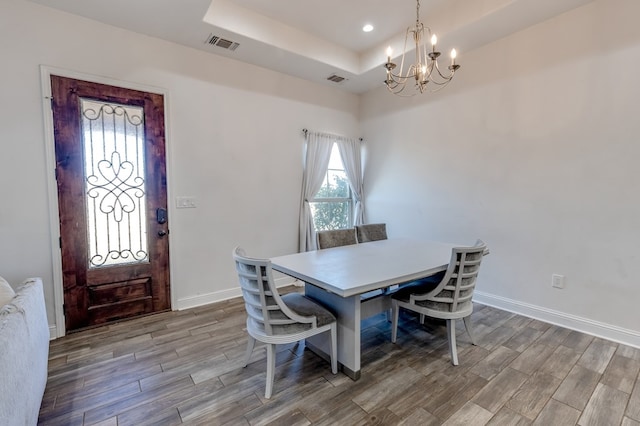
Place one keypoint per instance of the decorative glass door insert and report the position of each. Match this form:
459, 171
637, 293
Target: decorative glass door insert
113, 145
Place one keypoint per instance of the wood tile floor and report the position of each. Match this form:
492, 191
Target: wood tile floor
186, 368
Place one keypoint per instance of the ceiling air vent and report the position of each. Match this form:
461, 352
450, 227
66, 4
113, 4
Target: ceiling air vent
336, 78
221, 42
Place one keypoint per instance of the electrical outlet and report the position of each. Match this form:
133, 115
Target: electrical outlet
557, 281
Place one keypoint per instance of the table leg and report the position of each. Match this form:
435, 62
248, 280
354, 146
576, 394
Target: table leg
347, 311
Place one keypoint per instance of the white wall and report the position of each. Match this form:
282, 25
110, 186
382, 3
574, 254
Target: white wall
534, 148
234, 141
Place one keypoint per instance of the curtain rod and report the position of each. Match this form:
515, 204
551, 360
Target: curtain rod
305, 131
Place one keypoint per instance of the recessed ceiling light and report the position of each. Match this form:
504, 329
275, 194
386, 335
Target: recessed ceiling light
367, 28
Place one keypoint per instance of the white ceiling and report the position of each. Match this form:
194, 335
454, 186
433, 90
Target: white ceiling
313, 39
341, 21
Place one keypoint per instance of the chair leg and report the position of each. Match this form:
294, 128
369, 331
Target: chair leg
467, 325
251, 344
451, 332
421, 318
395, 310
271, 366
334, 348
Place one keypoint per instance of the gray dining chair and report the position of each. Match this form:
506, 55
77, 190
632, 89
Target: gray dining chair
345, 237
336, 238
445, 296
374, 232
273, 319
371, 232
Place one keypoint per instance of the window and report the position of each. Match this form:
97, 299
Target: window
332, 205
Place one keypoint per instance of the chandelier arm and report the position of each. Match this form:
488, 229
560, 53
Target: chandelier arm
438, 87
430, 69
404, 51
447, 77
400, 93
403, 79
440, 83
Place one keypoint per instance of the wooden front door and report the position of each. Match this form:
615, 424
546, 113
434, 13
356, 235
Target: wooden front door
111, 178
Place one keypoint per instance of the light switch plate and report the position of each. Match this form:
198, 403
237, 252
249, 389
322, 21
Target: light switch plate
186, 202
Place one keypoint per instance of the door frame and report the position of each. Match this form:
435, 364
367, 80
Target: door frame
58, 330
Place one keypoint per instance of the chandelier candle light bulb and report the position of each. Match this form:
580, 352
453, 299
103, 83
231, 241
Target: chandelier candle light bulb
425, 72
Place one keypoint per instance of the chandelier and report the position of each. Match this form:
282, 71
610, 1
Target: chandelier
425, 71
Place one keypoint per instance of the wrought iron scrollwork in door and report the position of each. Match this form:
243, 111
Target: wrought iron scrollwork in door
115, 185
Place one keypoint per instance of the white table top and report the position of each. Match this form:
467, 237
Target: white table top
359, 268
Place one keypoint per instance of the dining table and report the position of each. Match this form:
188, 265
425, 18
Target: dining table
352, 282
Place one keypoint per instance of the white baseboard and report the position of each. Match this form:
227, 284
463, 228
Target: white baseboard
573, 322
219, 296
203, 299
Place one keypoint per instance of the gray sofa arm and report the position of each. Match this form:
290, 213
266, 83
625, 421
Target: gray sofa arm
24, 355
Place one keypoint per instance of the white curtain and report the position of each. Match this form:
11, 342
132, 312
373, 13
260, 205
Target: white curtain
317, 154
351, 154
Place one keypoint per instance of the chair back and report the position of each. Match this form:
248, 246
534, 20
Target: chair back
266, 311
454, 293
336, 238
371, 232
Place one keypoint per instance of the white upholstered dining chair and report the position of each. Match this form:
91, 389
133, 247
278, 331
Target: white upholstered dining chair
445, 296
273, 319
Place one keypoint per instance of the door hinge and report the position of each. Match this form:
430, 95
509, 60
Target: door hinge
56, 173
60, 241
64, 309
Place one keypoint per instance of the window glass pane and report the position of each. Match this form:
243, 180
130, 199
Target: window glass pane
115, 186
336, 184
331, 207
331, 215
335, 162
